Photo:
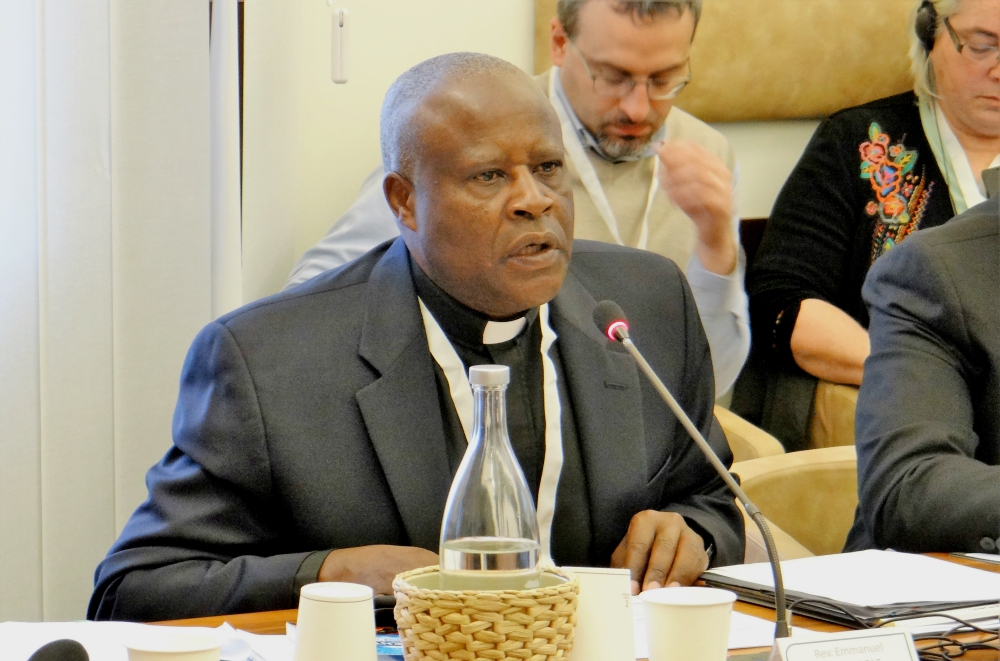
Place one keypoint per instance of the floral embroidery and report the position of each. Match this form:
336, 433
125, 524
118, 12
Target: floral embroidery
900, 195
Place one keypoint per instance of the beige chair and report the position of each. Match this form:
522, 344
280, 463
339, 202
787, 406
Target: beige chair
788, 547
810, 496
832, 422
750, 442
745, 440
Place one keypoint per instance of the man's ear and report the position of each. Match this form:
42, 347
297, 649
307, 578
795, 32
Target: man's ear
558, 42
399, 193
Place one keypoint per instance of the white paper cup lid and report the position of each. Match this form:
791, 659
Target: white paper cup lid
337, 592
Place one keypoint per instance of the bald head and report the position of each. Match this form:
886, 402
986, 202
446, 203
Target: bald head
475, 178
430, 88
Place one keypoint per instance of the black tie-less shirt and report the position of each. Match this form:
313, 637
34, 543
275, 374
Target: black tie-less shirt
464, 327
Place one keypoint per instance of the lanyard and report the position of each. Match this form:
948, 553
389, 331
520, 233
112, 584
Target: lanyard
588, 175
446, 357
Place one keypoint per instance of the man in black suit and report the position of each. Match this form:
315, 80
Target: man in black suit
315, 435
928, 420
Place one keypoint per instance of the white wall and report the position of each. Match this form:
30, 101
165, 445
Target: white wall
766, 153
309, 143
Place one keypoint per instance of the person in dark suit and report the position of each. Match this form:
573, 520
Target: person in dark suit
928, 419
315, 436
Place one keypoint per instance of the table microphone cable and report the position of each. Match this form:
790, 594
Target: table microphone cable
926, 653
946, 639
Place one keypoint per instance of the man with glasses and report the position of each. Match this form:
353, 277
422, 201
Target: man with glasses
644, 174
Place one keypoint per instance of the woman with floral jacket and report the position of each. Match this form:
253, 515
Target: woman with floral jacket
870, 176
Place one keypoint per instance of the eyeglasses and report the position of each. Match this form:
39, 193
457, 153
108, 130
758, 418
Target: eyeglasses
618, 84
979, 49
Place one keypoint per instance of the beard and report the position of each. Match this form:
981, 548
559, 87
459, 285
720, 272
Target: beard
623, 147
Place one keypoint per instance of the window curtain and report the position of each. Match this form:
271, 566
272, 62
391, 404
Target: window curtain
119, 240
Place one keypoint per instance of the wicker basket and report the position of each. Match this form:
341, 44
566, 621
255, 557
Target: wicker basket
532, 625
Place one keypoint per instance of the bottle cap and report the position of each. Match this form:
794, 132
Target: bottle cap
489, 375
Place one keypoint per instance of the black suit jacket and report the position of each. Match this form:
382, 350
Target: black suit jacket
310, 420
928, 418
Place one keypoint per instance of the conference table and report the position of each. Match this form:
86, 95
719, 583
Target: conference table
273, 622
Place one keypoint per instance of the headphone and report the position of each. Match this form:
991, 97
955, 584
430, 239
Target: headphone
926, 25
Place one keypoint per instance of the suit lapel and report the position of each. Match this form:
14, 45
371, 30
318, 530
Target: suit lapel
603, 383
401, 408
403, 415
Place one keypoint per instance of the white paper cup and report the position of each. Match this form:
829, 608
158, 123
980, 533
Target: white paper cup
336, 622
173, 645
687, 624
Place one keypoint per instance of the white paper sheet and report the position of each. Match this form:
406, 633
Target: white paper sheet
876, 578
19, 640
985, 557
265, 647
744, 631
104, 641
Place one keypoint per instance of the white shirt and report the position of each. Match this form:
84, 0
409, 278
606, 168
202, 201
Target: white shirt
971, 190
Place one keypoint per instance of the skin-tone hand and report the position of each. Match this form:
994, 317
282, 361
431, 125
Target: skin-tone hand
660, 550
827, 343
700, 184
374, 566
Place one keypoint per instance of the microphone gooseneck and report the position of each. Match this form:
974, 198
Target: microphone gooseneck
611, 320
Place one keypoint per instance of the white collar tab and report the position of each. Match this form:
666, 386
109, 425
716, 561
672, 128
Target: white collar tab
503, 331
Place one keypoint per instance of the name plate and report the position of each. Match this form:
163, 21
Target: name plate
604, 626
868, 645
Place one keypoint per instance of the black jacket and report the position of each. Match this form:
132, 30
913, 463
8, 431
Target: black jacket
310, 421
928, 419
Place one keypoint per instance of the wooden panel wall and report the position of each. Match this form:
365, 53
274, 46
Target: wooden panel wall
780, 59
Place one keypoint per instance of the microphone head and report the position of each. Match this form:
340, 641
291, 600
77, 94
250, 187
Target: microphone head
63, 649
610, 318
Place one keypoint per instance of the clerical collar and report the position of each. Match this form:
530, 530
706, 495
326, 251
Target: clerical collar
460, 322
587, 138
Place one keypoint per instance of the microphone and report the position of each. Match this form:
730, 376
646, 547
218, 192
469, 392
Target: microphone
610, 318
63, 649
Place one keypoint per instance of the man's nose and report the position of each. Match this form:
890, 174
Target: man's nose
635, 104
994, 71
529, 200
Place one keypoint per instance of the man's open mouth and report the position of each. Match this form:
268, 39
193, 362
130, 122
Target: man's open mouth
533, 249
536, 250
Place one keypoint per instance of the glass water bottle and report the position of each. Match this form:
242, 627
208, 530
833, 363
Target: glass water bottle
489, 535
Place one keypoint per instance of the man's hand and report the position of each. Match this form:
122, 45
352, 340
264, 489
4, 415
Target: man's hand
700, 184
374, 566
660, 549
